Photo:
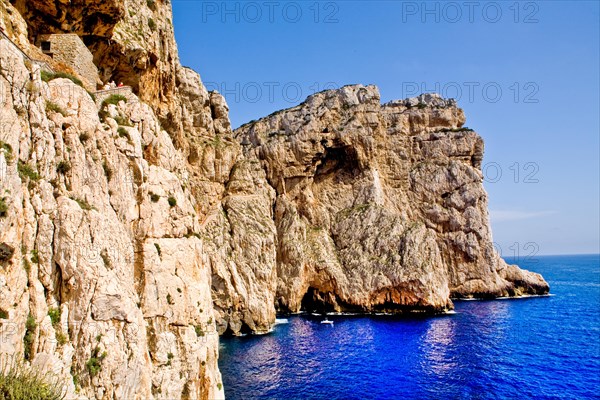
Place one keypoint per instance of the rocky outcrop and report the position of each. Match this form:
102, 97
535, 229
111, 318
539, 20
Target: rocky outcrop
379, 207
133, 42
104, 279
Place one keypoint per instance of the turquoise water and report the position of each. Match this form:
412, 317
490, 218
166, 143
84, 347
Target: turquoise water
543, 347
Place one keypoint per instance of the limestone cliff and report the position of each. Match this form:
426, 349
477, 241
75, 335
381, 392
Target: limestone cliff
132, 233
104, 279
379, 207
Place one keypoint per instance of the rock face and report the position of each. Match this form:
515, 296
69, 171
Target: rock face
132, 234
104, 279
379, 207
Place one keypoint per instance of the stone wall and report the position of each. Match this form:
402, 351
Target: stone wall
69, 49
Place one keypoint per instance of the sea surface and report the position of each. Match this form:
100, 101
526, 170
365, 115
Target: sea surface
539, 347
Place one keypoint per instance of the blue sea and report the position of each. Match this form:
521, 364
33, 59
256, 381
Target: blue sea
540, 347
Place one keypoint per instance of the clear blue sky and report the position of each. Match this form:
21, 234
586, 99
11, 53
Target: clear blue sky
543, 57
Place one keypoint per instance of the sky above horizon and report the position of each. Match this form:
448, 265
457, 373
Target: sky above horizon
525, 73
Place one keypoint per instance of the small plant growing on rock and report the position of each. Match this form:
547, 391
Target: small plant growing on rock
35, 257
49, 76
172, 201
158, 249
8, 151
20, 382
114, 99
154, 197
122, 120
84, 137
199, 331
170, 357
83, 204
54, 314
26, 171
151, 24
30, 327
63, 167
94, 364
26, 265
124, 133
169, 299
53, 107
3, 314
61, 338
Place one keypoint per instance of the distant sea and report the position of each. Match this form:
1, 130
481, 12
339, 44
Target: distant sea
540, 347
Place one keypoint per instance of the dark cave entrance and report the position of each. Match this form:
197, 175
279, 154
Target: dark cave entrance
318, 302
341, 162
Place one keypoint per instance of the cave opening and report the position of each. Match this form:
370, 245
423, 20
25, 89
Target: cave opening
341, 162
315, 301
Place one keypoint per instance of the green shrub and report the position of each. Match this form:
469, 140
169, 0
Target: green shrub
84, 137
8, 153
199, 331
83, 204
220, 386
172, 201
114, 99
54, 314
35, 258
26, 171
94, 364
151, 4
154, 197
19, 382
61, 338
151, 24
158, 249
124, 133
63, 167
3, 314
30, 327
49, 76
169, 298
53, 107
122, 121
26, 265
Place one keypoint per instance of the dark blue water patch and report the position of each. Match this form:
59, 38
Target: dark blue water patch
541, 347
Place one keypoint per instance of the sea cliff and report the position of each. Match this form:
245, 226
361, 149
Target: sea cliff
134, 230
